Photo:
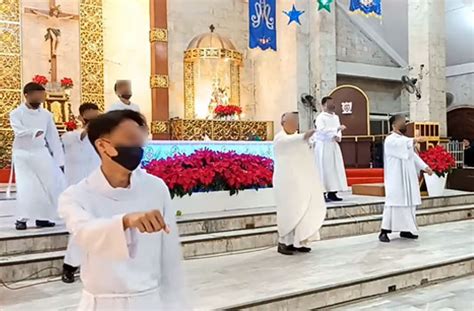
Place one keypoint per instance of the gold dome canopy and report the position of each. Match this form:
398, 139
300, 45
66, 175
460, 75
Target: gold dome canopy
211, 40
211, 45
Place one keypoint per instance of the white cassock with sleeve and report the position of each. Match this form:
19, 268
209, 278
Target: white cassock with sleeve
402, 190
298, 192
80, 157
124, 270
328, 152
81, 160
36, 162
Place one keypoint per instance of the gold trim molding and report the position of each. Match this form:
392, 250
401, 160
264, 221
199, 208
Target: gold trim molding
159, 81
10, 74
158, 35
92, 52
194, 54
159, 127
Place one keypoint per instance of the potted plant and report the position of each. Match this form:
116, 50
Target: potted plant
42, 80
67, 84
227, 112
441, 162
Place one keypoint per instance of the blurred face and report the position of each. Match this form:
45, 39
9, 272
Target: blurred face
89, 115
35, 98
125, 91
401, 125
330, 106
466, 143
124, 146
291, 123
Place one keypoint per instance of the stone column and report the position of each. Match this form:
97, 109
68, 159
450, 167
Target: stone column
322, 54
426, 39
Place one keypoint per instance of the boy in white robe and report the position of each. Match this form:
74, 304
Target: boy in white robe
81, 160
328, 153
298, 192
402, 191
38, 158
122, 220
123, 90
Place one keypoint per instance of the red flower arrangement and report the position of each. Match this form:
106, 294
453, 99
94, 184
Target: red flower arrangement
71, 125
227, 110
207, 170
40, 79
67, 83
439, 160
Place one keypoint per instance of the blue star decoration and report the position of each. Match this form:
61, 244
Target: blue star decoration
294, 15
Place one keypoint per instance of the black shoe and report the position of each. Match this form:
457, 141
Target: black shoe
383, 237
45, 224
333, 197
326, 199
284, 249
20, 225
303, 249
68, 273
408, 235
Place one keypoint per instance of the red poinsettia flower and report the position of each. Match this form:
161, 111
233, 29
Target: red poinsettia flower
67, 83
207, 170
40, 79
439, 160
71, 125
227, 110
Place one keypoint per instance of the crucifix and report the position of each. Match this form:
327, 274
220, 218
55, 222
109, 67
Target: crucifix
53, 17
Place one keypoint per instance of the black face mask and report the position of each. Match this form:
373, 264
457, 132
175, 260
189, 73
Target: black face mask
35, 105
126, 96
129, 157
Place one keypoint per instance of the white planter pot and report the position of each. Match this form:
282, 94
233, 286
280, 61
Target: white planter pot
203, 202
435, 185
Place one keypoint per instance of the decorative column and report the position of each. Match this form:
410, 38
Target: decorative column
10, 73
427, 57
159, 69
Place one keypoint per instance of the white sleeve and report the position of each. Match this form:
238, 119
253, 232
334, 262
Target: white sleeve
419, 163
400, 148
172, 286
54, 143
19, 128
102, 236
323, 132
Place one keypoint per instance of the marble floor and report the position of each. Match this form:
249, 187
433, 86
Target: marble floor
226, 281
454, 295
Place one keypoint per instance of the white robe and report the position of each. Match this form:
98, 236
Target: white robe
81, 160
298, 192
124, 270
37, 162
328, 152
402, 191
121, 106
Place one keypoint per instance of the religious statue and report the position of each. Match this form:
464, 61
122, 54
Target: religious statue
219, 97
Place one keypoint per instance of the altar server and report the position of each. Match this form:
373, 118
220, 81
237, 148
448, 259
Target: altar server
37, 160
80, 160
327, 150
299, 195
122, 220
402, 191
123, 90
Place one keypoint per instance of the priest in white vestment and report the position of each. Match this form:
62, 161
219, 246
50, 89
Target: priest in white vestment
327, 150
122, 220
402, 191
298, 192
81, 160
38, 157
123, 90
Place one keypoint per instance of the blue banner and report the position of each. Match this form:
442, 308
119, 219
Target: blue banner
367, 7
262, 24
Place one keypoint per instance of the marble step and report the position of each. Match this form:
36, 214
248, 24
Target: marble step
14, 267
336, 271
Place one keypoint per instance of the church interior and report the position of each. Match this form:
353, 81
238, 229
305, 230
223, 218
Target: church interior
213, 78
